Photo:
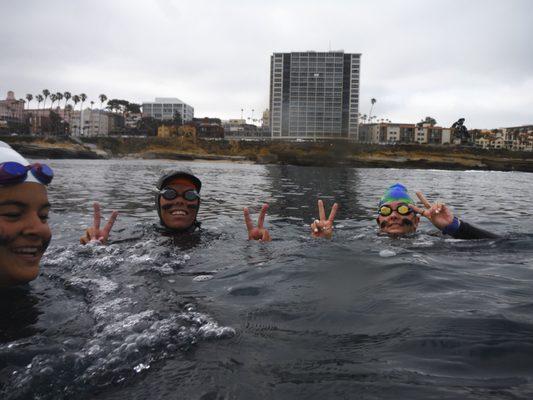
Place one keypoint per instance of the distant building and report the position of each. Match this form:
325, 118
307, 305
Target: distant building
265, 121
11, 109
94, 123
166, 131
165, 108
209, 128
314, 95
395, 133
41, 120
237, 130
188, 131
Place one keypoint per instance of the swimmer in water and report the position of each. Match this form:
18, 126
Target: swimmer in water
399, 216
24, 208
177, 201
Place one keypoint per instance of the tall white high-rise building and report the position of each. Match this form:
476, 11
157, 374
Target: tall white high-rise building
166, 108
314, 95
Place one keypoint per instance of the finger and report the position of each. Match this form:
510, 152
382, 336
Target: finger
321, 211
417, 209
97, 215
421, 211
333, 212
265, 237
248, 219
423, 199
109, 225
262, 216
315, 226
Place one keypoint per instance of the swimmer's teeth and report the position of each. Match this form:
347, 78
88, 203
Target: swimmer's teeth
26, 250
178, 212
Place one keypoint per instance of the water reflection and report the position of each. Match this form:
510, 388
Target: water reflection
295, 191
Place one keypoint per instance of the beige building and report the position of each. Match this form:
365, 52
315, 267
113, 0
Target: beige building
93, 123
12, 109
395, 133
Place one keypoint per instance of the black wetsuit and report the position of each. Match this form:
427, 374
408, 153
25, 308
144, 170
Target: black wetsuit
467, 231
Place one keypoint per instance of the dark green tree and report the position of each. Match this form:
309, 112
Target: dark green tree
148, 126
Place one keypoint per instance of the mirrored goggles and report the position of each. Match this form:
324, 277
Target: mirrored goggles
171, 194
12, 172
402, 209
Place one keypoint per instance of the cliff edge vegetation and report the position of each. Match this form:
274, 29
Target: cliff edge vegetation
334, 153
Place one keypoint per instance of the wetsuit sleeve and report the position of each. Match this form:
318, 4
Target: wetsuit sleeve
463, 230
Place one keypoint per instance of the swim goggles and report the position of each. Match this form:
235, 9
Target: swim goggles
171, 194
12, 172
402, 209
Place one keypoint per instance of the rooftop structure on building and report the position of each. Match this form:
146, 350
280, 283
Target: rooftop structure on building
11, 109
314, 95
165, 108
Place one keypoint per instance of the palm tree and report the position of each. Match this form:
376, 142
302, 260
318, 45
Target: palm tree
83, 97
67, 97
372, 102
46, 93
53, 97
76, 100
39, 99
91, 116
29, 97
59, 96
103, 99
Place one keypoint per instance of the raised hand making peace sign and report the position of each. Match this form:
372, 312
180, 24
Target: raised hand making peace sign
258, 233
324, 227
439, 214
94, 233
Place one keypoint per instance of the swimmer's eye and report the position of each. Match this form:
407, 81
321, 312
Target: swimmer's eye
11, 215
403, 210
44, 218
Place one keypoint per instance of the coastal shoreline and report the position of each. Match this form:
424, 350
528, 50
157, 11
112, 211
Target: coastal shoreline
303, 154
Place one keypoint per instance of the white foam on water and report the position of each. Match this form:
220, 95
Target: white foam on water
387, 253
202, 278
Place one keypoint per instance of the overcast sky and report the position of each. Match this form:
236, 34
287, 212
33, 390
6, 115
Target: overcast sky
446, 59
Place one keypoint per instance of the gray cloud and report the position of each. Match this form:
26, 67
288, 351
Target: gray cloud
444, 58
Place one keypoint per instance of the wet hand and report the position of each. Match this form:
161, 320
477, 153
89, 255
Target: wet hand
439, 213
94, 233
324, 227
259, 233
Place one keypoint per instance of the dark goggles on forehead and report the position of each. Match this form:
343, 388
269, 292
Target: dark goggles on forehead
171, 194
12, 172
402, 209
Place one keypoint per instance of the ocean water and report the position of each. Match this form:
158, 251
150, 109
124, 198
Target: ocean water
219, 317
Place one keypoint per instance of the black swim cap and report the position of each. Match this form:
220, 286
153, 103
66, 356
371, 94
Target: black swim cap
181, 173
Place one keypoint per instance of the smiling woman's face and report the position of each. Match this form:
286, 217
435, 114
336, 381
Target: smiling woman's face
24, 231
396, 224
179, 213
